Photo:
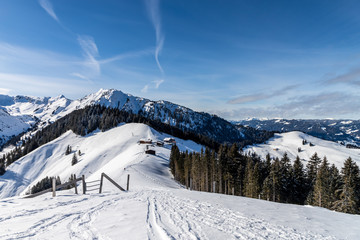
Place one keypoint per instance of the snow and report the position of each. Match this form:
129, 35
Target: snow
290, 142
155, 207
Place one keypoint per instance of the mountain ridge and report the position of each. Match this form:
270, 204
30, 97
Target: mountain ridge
40, 112
343, 131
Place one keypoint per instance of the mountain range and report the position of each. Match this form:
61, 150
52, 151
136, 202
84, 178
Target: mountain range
21, 113
346, 132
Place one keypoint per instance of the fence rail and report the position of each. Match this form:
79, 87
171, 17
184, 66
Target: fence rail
85, 186
112, 181
73, 182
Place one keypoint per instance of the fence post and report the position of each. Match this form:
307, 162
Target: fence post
191, 184
76, 190
128, 181
233, 191
54, 186
214, 187
84, 184
101, 182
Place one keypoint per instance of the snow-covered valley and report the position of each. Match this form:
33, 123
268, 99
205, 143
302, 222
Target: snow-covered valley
155, 207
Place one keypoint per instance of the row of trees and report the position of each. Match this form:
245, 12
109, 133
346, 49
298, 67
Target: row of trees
230, 171
44, 184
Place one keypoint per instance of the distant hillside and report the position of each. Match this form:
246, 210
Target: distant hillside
344, 131
291, 142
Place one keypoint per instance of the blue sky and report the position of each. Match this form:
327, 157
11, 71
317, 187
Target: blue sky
237, 59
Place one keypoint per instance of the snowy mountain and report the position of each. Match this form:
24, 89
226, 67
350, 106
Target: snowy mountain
290, 143
12, 125
156, 207
20, 113
346, 131
43, 111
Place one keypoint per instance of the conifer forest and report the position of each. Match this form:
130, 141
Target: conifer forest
229, 171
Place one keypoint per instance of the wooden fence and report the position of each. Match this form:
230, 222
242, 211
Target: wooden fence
87, 186
54, 187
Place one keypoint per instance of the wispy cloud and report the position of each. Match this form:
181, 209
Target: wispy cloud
322, 105
90, 52
351, 77
153, 9
145, 89
261, 96
44, 85
5, 91
87, 44
123, 56
158, 82
47, 6
154, 85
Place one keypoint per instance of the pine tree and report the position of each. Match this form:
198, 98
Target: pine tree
187, 168
349, 196
174, 155
335, 185
298, 182
74, 160
68, 150
2, 165
267, 189
311, 172
272, 183
252, 176
321, 193
285, 177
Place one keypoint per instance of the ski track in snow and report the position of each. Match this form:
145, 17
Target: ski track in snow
168, 217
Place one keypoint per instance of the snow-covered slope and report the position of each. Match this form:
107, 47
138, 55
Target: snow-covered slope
291, 141
106, 152
156, 207
12, 125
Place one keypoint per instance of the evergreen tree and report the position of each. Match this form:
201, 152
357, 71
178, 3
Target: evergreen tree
298, 182
311, 171
174, 155
334, 186
2, 165
272, 183
252, 177
68, 150
285, 178
349, 198
74, 160
321, 193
